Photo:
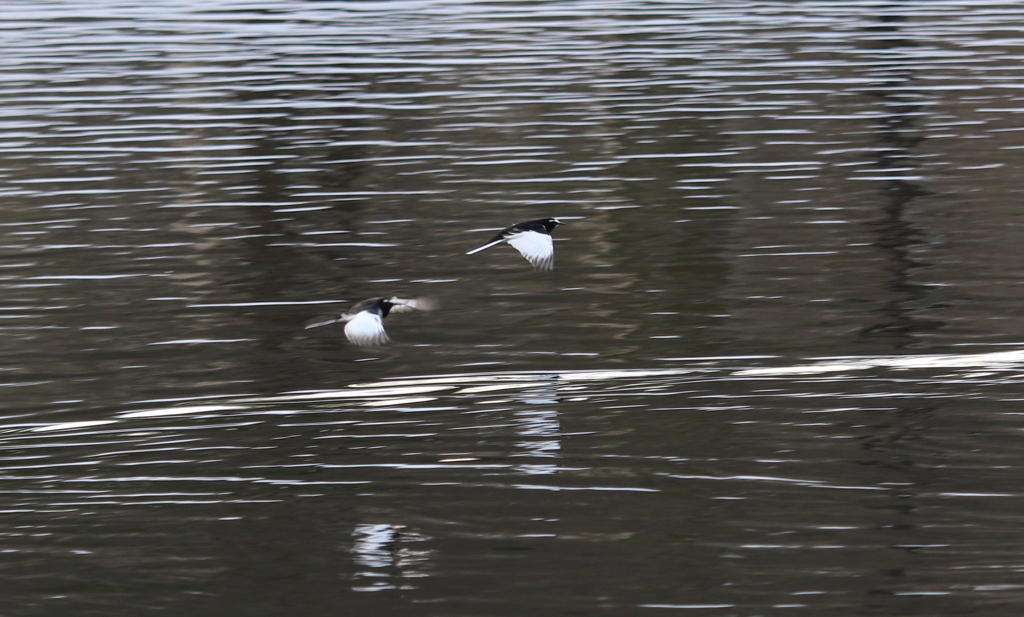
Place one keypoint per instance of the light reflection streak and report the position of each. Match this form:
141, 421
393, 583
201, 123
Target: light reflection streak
495, 388
70, 425
399, 401
625, 489
382, 466
178, 411
344, 394
794, 481
1003, 360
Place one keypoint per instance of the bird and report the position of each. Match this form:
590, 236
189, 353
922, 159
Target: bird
531, 238
364, 321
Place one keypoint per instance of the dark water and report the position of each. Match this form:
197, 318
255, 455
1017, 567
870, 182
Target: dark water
777, 370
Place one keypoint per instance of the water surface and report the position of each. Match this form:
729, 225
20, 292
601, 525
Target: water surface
777, 369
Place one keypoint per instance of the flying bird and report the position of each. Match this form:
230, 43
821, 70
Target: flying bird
364, 322
531, 238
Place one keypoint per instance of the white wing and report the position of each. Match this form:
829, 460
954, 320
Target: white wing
422, 303
536, 247
366, 330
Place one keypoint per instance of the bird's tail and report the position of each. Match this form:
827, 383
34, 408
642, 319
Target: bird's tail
486, 246
323, 320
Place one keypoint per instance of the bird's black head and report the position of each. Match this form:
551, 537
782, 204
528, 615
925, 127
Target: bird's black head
550, 224
376, 306
384, 305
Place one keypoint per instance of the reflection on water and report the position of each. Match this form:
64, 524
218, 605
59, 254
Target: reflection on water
720, 469
901, 105
384, 551
778, 367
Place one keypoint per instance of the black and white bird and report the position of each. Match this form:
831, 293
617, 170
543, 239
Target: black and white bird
364, 322
531, 238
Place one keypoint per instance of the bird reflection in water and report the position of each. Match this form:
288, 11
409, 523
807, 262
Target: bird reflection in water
539, 432
386, 558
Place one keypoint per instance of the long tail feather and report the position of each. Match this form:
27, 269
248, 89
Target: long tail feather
322, 320
497, 240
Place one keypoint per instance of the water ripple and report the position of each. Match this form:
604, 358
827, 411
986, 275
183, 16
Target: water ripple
794, 212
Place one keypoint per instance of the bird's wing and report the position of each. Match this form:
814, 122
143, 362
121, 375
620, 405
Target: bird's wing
536, 247
423, 303
366, 330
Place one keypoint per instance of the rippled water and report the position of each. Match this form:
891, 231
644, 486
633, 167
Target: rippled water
777, 369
